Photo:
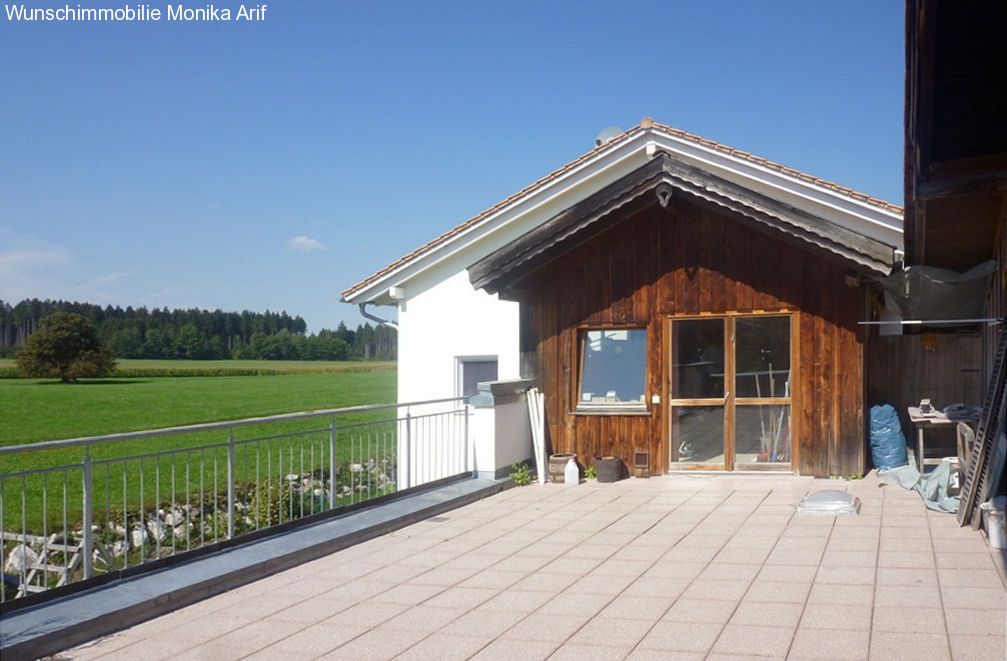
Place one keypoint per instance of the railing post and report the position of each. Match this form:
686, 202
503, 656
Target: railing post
231, 462
88, 541
333, 434
468, 441
406, 449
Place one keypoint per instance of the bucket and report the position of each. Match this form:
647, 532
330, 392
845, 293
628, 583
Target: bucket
608, 469
995, 517
557, 464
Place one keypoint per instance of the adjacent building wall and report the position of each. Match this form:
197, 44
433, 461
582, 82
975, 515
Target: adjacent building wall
448, 321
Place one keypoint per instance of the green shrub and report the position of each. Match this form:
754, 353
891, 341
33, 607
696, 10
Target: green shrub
521, 474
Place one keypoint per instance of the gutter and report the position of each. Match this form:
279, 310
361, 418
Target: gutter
367, 315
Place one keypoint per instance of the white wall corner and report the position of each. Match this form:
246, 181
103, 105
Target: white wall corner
501, 429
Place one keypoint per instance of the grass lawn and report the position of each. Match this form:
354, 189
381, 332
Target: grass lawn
41, 410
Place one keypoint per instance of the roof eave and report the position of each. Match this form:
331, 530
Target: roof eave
642, 142
498, 271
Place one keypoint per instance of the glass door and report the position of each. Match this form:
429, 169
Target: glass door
730, 391
762, 389
698, 403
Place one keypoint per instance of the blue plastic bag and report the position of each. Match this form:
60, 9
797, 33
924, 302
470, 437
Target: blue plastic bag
888, 445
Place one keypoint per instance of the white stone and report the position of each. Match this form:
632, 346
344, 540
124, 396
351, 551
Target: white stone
174, 517
139, 536
21, 559
157, 528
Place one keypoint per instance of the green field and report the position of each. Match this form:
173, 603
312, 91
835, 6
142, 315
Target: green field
131, 368
41, 410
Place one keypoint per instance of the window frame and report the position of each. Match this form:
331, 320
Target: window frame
460, 369
643, 408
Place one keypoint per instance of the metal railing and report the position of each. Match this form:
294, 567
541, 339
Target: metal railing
128, 500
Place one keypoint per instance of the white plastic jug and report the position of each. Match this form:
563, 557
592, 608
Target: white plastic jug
571, 474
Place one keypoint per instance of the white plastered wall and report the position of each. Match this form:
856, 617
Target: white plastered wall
446, 321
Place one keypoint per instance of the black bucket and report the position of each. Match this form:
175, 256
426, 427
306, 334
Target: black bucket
608, 469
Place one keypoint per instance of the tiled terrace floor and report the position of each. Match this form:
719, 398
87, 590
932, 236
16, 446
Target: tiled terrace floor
666, 568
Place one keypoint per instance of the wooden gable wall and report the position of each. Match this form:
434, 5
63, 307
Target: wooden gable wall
688, 259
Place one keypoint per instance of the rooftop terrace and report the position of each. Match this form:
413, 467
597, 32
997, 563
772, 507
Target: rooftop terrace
676, 567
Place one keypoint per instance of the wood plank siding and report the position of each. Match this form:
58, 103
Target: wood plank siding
652, 263
945, 368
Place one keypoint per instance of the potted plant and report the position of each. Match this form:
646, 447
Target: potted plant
557, 464
608, 468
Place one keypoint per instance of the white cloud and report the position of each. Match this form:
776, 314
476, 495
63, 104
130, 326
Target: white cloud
304, 244
100, 288
27, 272
18, 262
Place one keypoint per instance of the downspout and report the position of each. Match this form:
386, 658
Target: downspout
367, 315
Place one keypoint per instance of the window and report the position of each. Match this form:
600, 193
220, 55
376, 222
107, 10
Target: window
613, 369
473, 370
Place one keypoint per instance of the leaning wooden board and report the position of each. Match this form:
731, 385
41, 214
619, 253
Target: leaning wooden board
978, 477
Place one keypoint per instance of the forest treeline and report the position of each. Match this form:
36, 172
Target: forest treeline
202, 334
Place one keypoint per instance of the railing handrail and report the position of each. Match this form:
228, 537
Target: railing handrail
208, 426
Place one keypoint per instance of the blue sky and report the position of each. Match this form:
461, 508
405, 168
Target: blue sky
270, 165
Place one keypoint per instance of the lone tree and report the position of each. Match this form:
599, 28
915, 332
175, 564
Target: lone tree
65, 345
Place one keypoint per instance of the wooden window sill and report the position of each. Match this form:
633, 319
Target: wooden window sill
612, 411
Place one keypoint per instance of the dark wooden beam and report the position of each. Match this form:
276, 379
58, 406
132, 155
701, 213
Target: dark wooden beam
991, 182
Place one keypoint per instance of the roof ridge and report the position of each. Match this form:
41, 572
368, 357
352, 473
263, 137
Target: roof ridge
645, 124
778, 167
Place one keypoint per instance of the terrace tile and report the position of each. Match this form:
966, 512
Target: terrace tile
546, 627
773, 591
710, 589
978, 648
897, 645
712, 611
605, 631
682, 636
908, 620
976, 621
830, 644
906, 576
745, 638
631, 607
767, 614
838, 617
423, 618
377, 644
315, 641
444, 647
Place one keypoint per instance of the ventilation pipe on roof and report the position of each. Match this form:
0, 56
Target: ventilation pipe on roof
367, 315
